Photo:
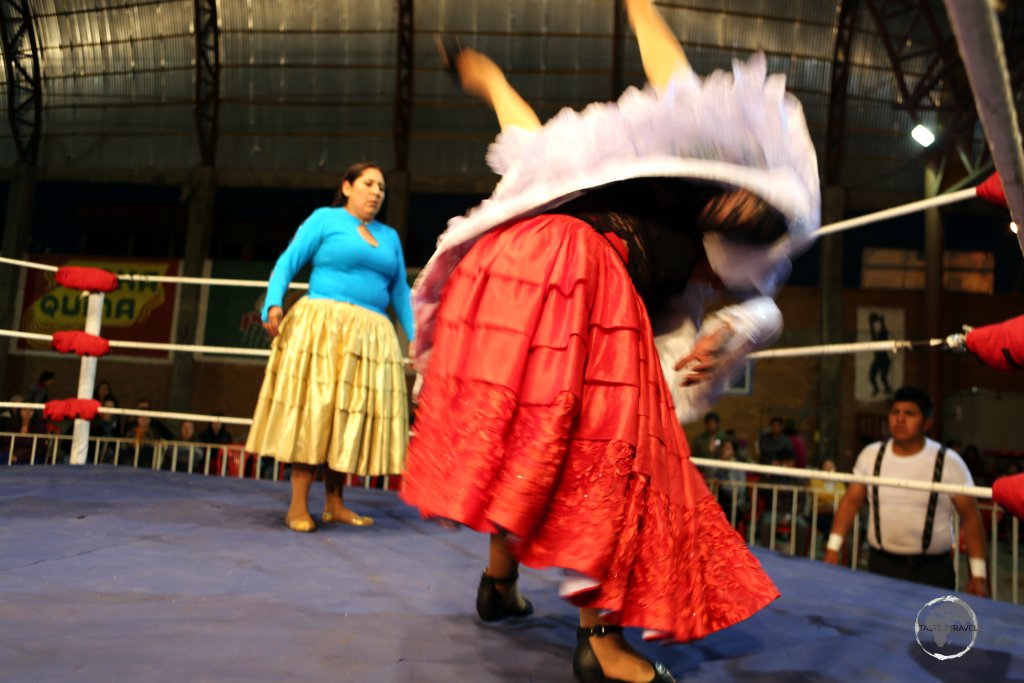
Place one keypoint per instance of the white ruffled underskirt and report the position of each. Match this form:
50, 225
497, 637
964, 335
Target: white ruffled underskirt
739, 130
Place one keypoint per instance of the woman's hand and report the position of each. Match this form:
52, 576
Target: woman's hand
701, 364
274, 316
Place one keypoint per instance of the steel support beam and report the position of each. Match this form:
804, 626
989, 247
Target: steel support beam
207, 79
831, 255
24, 84
403, 84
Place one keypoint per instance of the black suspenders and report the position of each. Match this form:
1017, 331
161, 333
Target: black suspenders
926, 539
933, 499
874, 495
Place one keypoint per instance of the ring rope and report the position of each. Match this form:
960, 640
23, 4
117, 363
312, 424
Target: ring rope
912, 207
890, 345
167, 415
801, 473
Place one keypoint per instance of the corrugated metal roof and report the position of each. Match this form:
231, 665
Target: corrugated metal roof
311, 85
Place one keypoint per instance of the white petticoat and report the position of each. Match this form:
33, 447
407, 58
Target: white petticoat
738, 130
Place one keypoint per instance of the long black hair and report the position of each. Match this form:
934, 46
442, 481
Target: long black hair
351, 175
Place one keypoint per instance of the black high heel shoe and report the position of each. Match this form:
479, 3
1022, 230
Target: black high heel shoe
489, 604
448, 49
587, 669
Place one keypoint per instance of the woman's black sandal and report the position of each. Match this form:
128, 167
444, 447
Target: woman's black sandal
587, 669
489, 603
448, 49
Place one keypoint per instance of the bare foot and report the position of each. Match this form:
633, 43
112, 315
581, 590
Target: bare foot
344, 515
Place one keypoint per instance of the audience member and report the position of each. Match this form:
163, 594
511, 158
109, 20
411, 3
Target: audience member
215, 433
25, 422
40, 391
797, 443
828, 493
706, 444
732, 482
774, 447
158, 429
103, 391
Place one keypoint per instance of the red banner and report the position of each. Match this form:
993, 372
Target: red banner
135, 311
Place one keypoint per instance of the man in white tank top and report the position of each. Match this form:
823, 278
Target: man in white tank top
910, 531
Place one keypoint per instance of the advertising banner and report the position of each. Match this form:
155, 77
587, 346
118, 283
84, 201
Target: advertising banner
135, 311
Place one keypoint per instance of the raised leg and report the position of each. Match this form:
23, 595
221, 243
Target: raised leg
660, 51
481, 77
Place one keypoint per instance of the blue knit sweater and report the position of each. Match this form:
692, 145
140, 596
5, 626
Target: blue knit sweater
345, 266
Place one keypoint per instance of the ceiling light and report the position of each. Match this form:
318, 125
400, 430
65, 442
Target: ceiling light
923, 136
1013, 227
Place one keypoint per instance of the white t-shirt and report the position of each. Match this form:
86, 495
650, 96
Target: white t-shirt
903, 511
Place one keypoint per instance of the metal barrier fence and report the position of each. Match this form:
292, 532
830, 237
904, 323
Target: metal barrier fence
786, 518
209, 459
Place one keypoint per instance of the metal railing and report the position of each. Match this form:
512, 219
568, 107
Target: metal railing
785, 518
208, 459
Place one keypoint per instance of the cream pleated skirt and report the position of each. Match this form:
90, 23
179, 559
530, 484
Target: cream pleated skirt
334, 391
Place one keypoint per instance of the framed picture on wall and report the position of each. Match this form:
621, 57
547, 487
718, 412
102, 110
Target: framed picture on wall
878, 373
743, 382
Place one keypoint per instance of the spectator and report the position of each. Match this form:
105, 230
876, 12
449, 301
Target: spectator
144, 435
40, 391
158, 429
103, 391
25, 422
182, 457
732, 482
7, 414
910, 531
215, 433
773, 447
828, 493
796, 442
707, 444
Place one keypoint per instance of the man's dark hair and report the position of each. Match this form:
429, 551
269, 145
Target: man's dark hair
774, 420
45, 376
713, 416
916, 396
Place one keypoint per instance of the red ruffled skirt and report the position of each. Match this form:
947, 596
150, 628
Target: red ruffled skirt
544, 413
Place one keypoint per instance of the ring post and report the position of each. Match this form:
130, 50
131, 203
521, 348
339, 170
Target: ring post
87, 379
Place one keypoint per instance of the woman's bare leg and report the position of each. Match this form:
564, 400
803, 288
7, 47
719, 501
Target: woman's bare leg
334, 507
298, 510
660, 51
618, 660
481, 77
503, 565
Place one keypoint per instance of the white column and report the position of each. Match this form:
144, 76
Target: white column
87, 379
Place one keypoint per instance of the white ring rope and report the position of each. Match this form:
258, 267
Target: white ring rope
890, 345
801, 473
28, 264
195, 417
886, 214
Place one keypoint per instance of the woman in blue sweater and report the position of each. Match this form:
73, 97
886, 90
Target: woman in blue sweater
334, 393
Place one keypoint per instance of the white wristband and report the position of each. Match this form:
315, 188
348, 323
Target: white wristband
978, 568
835, 542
